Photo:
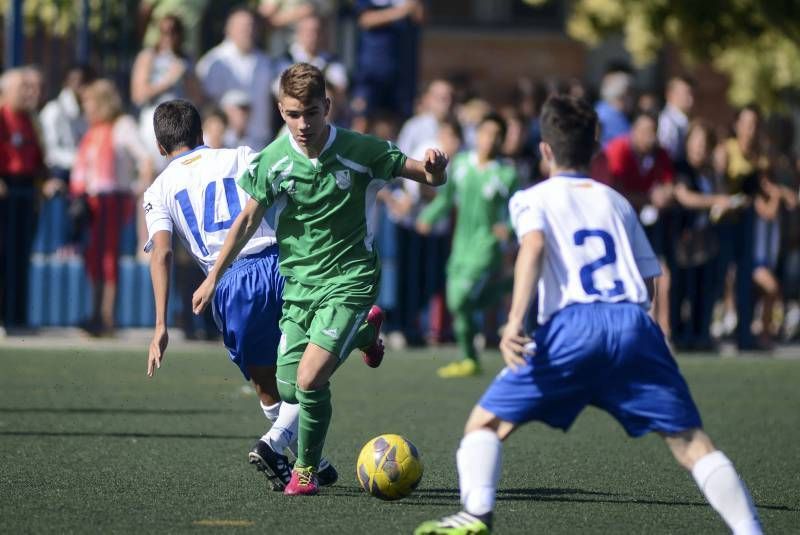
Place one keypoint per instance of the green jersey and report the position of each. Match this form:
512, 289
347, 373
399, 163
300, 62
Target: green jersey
481, 195
320, 206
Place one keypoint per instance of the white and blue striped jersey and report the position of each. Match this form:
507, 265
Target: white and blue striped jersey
198, 196
595, 247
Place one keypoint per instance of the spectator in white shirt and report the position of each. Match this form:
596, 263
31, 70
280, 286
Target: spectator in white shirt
418, 133
421, 259
63, 127
673, 123
237, 64
421, 129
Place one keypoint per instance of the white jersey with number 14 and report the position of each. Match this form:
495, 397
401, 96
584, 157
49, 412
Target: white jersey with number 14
197, 194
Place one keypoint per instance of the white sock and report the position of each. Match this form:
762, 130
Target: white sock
283, 433
727, 494
479, 460
271, 411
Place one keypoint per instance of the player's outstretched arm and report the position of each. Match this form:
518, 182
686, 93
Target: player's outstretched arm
526, 275
431, 170
243, 228
160, 267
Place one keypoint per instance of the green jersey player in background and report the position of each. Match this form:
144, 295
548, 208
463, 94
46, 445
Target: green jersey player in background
322, 181
480, 186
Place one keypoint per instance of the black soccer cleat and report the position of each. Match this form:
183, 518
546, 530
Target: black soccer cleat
274, 465
327, 475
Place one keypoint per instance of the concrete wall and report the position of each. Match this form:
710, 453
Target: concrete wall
494, 60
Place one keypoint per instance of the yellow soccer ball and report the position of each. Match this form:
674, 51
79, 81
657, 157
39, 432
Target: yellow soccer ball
389, 467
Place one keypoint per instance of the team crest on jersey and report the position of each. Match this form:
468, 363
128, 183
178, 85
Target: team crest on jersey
343, 179
291, 187
331, 333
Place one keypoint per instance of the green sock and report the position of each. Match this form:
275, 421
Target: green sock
365, 335
315, 416
464, 331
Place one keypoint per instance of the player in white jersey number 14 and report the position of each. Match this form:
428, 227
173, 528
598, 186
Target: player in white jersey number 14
582, 247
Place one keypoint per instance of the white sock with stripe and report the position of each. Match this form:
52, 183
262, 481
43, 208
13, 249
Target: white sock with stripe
283, 433
727, 493
479, 460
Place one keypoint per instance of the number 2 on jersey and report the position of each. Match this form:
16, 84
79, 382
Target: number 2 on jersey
209, 224
587, 271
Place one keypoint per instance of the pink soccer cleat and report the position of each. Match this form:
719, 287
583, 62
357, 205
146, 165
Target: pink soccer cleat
373, 354
303, 483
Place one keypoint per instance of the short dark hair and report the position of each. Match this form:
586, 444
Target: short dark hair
177, 124
569, 126
494, 117
645, 114
702, 125
303, 81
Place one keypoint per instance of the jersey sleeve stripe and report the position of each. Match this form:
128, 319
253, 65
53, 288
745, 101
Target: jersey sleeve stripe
355, 166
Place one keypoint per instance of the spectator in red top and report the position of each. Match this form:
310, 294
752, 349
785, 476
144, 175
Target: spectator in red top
642, 171
21, 166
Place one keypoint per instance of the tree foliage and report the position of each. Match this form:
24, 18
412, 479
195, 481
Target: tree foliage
58, 17
755, 42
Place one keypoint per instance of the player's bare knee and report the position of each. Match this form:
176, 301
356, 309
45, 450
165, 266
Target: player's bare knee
311, 378
308, 379
504, 429
480, 418
689, 446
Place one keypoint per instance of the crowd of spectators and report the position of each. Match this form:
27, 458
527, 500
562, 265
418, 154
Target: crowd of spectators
718, 201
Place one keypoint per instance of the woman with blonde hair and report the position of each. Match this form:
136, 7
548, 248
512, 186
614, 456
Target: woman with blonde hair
112, 167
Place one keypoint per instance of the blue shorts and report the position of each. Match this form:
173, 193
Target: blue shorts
610, 355
247, 309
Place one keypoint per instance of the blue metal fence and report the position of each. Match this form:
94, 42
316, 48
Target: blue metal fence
59, 292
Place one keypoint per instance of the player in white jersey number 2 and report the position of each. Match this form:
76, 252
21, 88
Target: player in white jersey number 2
197, 197
581, 244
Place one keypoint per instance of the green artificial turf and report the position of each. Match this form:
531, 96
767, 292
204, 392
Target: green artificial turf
89, 445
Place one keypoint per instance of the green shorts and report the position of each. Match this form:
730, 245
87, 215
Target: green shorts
328, 316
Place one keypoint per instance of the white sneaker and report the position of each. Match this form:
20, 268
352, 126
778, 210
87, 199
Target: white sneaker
729, 322
791, 321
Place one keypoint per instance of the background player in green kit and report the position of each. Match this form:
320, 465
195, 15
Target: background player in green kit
480, 186
319, 184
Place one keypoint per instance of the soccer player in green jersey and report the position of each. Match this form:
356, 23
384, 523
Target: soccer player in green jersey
480, 187
318, 184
